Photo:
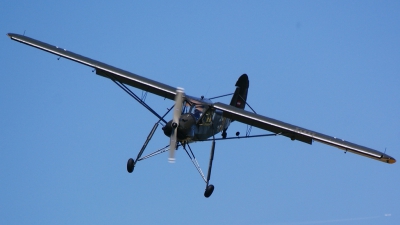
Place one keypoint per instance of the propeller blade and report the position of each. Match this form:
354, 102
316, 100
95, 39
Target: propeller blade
175, 123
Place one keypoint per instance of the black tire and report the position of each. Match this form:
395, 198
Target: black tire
130, 165
209, 190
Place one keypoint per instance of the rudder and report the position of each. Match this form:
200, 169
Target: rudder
240, 96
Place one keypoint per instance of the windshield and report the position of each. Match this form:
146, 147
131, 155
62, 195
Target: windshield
197, 110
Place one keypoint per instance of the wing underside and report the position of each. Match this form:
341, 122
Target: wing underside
297, 133
102, 69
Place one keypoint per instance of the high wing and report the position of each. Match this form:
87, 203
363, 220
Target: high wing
103, 69
297, 133
275, 126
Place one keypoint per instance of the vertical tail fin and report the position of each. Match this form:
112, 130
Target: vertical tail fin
240, 96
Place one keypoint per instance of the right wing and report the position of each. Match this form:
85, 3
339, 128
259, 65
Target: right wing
297, 133
102, 69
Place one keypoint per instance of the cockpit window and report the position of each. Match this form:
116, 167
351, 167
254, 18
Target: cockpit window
197, 111
200, 111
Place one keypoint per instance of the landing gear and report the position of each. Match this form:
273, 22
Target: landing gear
209, 187
209, 190
130, 165
224, 134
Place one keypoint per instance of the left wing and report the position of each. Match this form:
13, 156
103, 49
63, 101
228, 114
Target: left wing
102, 69
297, 133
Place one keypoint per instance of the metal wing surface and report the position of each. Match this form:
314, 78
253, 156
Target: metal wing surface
103, 69
298, 133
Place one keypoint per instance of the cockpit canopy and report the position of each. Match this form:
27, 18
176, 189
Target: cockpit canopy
199, 109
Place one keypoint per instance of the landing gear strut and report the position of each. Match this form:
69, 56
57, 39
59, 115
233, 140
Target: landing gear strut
209, 187
131, 163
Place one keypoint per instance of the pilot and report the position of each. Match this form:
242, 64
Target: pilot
197, 114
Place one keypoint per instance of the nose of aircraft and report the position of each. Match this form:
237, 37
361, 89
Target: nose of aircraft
168, 129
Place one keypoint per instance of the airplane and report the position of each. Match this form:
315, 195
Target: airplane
199, 119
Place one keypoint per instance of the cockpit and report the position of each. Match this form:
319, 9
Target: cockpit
199, 109
196, 110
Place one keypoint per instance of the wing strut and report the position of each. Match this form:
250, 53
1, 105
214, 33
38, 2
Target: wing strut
134, 96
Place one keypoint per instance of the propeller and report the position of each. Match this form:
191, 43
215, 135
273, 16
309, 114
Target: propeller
175, 123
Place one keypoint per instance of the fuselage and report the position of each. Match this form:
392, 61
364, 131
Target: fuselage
198, 122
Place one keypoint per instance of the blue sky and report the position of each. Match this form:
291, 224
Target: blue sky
66, 134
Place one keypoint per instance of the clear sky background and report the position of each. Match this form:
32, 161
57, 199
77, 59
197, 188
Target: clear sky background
66, 133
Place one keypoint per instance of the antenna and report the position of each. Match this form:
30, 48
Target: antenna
206, 92
24, 33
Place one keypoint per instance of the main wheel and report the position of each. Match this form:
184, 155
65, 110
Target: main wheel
130, 165
209, 190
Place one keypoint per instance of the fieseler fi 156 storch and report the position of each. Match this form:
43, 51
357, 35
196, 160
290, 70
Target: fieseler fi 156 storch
200, 119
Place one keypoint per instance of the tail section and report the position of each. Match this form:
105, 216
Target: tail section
240, 96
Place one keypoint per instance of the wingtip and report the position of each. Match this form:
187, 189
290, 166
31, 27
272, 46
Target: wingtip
391, 161
11, 35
